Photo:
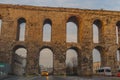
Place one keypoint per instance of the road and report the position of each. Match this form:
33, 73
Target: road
59, 78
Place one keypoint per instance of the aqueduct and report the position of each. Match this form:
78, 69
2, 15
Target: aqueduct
35, 17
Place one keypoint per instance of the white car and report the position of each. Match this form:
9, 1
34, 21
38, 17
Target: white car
105, 71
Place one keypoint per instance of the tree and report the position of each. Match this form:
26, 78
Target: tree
68, 69
74, 63
71, 68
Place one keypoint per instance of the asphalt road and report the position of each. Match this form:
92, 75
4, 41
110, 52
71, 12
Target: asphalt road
59, 78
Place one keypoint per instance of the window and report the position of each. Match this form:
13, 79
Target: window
21, 29
0, 26
97, 31
47, 30
72, 30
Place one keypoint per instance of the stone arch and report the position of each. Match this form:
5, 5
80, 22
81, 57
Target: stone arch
46, 64
18, 46
46, 46
72, 32
76, 49
118, 58
47, 27
73, 19
21, 24
117, 32
73, 56
48, 21
97, 30
19, 60
0, 26
97, 54
96, 18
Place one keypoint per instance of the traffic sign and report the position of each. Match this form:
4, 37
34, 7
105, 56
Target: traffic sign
2, 65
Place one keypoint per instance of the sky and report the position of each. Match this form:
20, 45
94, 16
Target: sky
113, 5
82, 4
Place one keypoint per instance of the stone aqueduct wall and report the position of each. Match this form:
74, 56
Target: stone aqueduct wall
35, 17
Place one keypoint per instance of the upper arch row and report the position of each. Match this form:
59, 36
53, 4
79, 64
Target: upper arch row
75, 19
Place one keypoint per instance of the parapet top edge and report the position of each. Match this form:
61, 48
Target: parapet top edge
18, 6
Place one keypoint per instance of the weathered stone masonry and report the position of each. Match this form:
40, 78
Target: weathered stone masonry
35, 17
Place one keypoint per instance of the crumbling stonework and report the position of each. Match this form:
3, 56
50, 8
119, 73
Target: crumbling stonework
35, 17
19, 65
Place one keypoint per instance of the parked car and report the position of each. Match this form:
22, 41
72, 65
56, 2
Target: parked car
44, 73
118, 73
104, 71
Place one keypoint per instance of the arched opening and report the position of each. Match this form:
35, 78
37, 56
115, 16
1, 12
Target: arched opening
118, 58
71, 62
72, 30
46, 60
96, 59
97, 25
19, 61
117, 32
47, 30
21, 29
0, 26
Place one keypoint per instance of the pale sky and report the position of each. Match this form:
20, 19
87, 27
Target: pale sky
82, 4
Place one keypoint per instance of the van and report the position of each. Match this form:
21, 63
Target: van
104, 71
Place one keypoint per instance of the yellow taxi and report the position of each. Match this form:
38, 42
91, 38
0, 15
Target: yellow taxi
44, 73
